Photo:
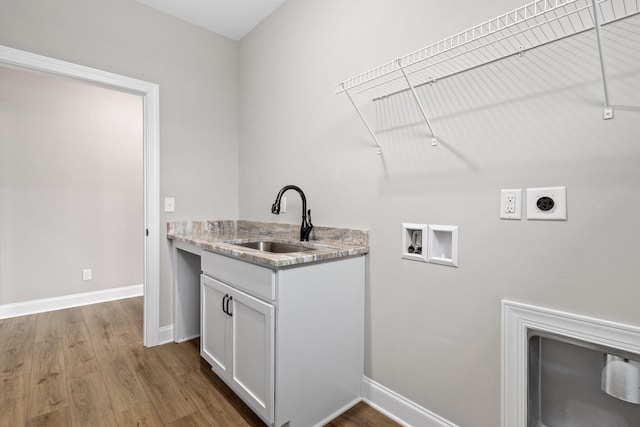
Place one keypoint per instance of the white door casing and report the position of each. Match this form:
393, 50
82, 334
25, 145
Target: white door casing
151, 140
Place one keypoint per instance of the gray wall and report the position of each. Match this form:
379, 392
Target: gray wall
198, 76
71, 195
434, 331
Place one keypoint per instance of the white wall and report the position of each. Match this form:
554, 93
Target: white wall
434, 331
71, 195
198, 76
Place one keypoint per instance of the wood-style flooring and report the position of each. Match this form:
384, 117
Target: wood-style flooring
86, 366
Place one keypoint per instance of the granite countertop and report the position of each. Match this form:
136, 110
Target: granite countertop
220, 236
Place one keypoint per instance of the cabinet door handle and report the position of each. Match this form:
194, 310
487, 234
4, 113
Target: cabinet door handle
224, 302
227, 311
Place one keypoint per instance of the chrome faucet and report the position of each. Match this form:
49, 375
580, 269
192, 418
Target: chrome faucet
306, 226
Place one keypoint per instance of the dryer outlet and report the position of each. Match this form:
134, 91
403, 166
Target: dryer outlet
547, 203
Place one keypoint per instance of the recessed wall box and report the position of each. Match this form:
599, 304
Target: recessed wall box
413, 239
443, 245
547, 203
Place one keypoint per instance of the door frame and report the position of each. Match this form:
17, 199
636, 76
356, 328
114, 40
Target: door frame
151, 142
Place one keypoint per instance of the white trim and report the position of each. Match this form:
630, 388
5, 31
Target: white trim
67, 301
518, 319
399, 408
165, 335
339, 412
151, 120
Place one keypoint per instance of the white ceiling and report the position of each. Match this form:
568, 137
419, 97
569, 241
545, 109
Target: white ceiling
231, 18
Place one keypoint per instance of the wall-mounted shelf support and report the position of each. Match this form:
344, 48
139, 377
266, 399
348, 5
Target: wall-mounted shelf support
373, 134
417, 99
531, 26
607, 112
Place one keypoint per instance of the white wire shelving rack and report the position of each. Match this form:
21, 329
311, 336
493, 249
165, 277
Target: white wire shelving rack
533, 25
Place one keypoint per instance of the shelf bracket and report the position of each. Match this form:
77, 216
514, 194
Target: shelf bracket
417, 99
373, 134
607, 112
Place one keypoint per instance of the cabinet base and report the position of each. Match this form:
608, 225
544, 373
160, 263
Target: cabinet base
238, 404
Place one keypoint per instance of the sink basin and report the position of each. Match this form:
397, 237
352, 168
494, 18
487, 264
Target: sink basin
275, 247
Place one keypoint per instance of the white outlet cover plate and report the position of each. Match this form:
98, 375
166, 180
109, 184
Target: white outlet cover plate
169, 204
559, 197
517, 213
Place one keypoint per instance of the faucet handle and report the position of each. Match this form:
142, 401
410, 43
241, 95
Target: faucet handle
309, 217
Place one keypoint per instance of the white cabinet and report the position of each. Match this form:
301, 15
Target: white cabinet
237, 339
215, 327
288, 341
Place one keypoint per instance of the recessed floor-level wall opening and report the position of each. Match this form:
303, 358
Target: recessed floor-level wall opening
569, 384
562, 369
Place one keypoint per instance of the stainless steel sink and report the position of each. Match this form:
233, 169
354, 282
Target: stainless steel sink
274, 247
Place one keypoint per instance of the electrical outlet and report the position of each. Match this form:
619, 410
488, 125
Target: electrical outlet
283, 205
169, 204
86, 274
547, 203
511, 204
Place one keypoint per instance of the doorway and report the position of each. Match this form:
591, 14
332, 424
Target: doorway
149, 93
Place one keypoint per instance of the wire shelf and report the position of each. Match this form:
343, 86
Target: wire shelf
513, 33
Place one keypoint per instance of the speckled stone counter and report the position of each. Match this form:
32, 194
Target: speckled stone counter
219, 237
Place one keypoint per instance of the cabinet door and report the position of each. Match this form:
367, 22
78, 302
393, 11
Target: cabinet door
215, 326
253, 353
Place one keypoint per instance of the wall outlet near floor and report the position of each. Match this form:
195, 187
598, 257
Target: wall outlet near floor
511, 204
86, 274
547, 203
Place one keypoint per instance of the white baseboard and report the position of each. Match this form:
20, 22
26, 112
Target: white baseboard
339, 412
165, 334
189, 338
399, 408
68, 301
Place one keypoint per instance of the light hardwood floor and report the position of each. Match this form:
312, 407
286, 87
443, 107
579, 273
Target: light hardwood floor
86, 366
